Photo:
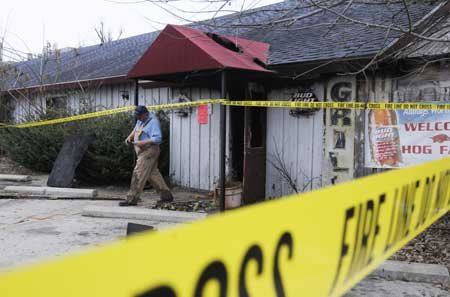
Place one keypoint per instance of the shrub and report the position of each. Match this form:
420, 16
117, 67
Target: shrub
108, 160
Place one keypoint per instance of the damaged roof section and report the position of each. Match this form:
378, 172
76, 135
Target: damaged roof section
180, 49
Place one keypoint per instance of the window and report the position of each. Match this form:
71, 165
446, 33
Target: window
56, 106
59, 103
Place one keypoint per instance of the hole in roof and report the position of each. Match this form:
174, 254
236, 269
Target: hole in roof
225, 42
259, 62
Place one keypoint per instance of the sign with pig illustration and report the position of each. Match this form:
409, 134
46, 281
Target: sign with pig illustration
399, 138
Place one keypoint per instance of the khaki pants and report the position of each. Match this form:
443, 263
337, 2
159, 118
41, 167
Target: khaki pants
146, 169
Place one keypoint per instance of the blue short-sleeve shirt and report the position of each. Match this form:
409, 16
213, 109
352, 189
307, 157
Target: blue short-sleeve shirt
151, 129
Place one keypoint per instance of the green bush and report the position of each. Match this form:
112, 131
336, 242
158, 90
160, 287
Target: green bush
107, 161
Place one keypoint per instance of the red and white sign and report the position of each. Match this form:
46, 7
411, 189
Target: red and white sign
406, 137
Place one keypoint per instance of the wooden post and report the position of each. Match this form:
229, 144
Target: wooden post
223, 131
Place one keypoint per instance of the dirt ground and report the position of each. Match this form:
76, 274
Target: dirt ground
432, 246
9, 167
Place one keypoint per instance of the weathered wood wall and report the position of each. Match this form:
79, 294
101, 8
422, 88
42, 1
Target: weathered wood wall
194, 148
99, 97
429, 84
299, 142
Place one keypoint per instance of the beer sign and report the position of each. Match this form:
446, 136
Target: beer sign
400, 138
303, 95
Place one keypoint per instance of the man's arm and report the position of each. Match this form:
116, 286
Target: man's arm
130, 137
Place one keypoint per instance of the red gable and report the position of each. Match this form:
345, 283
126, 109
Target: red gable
182, 49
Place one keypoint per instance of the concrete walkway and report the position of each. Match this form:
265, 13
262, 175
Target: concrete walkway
33, 230
377, 287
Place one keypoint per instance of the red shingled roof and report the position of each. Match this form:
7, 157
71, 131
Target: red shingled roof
180, 49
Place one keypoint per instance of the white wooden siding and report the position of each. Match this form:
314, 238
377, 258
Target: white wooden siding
194, 148
300, 143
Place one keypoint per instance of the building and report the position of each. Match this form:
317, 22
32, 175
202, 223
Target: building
372, 52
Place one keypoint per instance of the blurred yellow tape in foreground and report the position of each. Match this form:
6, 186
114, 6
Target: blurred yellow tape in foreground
316, 244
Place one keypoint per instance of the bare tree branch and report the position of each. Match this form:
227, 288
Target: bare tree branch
410, 23
380, 26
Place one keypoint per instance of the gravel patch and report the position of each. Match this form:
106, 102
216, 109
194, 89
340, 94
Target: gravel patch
431, 247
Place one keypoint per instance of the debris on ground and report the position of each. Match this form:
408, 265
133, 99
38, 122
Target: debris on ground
10, 167
431, 247
206, 206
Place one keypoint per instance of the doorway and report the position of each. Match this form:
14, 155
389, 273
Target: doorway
248, 127
237, 91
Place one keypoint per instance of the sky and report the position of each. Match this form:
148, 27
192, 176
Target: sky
27, 25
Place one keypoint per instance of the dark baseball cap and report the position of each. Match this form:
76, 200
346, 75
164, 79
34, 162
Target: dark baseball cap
140, 110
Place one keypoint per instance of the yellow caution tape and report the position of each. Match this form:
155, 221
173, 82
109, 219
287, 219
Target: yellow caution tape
280, 104
74, 118
291, 104
341, 105
316, 244
185, 104
110, 112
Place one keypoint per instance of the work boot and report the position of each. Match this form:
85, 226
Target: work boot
127, 203
166, 196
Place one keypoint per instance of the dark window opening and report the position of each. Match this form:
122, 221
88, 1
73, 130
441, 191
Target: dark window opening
225, 42
256, 127
56, 106
57, 103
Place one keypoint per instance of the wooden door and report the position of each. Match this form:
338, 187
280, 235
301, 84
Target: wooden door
255, 150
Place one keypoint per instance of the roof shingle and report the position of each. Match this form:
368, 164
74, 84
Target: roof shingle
306, 39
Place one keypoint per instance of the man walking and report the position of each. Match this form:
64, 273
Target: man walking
146, 138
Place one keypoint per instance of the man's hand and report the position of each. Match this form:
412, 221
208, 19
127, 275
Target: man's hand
128, 141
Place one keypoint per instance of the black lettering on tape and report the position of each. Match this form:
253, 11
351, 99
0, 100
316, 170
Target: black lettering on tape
391, 225
407, 208
286, 240
367, 232
161, 291
349, 214
376, 227
353, 267
360, 105
425, 203
254, 253
214, 271
402, 211
442, 192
